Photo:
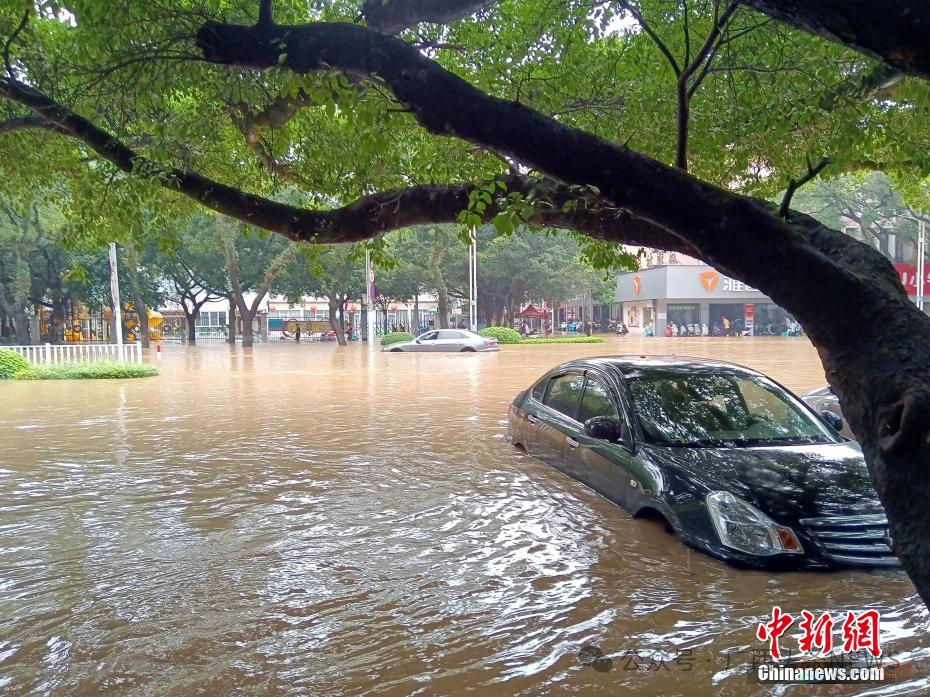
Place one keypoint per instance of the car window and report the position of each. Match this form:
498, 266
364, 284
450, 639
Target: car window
564, 393
429, 336
596, 401
450, 335
539, 389
703, 409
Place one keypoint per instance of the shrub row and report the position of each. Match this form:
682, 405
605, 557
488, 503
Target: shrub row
565, 340
504, 335
396, 338
11, 363
19, 368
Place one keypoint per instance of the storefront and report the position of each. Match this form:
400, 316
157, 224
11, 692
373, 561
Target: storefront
695, 300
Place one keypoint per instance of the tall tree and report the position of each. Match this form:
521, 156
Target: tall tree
193, 266
334, 272
256, 265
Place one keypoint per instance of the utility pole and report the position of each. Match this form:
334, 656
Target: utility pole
368, 299
921, 266
473, 281
114, 294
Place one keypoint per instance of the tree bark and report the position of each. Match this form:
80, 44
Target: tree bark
442, 303
247, 315
17, 315
895, 31
231, 324
191, 317
336, 320
132, 262
21, 326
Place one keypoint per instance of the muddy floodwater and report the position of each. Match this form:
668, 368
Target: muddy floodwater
314, 520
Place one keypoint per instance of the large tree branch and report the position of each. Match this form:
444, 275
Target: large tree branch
555, 205
895, 31
23, 123
685, 91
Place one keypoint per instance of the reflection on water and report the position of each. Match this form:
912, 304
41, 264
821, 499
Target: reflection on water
312, 520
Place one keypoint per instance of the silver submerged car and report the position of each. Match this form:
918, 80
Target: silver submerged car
460, 340
823, 399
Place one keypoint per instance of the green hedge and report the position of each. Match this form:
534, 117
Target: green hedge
396, 338
11, 363
88, 371
504, 335
565, 340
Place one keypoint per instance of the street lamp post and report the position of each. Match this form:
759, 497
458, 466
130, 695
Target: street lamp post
473, 281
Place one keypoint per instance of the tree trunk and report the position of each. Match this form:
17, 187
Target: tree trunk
132, 269
337, 323
17, 315
57, 327
415, 324
191, 317
231, 324
21, 326
442, 303
247, 314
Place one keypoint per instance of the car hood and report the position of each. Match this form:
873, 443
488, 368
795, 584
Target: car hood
785, 482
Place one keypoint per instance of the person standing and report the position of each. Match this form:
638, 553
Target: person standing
297, 332
726, 326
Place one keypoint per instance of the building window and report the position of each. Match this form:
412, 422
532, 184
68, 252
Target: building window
211, 319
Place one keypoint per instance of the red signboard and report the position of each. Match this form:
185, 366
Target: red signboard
908, 275
749, 314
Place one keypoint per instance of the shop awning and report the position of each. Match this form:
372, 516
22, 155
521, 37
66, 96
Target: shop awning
530, 312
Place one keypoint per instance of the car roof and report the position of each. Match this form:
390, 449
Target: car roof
632, 364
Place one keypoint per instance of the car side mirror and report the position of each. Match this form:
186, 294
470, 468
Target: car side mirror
833, 420
604, 428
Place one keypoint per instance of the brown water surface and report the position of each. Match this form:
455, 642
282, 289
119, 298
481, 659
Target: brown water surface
314, 520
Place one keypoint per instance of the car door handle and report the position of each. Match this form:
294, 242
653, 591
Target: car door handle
532, 419
572, 443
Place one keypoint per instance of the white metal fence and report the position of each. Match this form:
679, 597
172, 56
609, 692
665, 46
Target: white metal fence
53, 354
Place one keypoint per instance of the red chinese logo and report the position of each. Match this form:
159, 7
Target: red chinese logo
817, 634
860, 632
772, 630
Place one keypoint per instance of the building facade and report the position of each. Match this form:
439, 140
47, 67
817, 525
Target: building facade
689, 295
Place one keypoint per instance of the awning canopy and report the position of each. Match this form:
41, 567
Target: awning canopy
530, 312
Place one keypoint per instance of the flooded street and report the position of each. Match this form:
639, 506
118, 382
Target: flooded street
310, 520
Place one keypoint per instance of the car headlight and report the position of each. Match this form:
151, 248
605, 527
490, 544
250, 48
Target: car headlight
747, 529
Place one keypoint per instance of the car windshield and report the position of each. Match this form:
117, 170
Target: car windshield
719, 410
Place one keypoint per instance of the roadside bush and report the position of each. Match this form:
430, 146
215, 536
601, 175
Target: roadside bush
395, 338
565, 340
103, 370
504, 335
11, 363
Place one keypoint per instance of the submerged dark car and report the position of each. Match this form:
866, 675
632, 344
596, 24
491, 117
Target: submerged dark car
737, 466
